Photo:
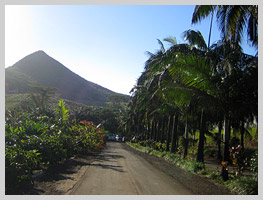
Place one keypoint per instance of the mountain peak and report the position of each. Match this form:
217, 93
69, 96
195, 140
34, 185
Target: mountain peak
39, 52
45, 71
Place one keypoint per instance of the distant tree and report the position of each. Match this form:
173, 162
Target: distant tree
41, 96
117, 102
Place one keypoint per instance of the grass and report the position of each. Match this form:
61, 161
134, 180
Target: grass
243, 185
246, 185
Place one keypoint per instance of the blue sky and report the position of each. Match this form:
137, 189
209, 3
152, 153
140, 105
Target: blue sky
105, 44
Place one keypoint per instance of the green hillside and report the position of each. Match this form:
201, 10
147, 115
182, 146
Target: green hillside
14, 101
40, 69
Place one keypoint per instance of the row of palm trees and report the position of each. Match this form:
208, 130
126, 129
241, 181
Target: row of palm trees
197, 86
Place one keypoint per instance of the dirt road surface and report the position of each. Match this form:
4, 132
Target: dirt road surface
120, 172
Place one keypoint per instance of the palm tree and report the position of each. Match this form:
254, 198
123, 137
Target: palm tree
210, 76
213, 76
42, 96
232, 21
231, 64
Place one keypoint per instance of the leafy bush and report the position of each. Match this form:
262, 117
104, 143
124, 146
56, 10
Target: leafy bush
19, 164
142, 143
160, 146
38, 142
153, 144
150, 142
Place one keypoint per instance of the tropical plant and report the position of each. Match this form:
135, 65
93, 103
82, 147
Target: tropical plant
186, 73
37, 142
232, 21
62, 112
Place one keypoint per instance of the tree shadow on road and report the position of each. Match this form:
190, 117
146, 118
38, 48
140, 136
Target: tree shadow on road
112, 167
109, 156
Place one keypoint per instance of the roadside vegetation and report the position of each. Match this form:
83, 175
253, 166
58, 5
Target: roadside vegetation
193, 101
198, 99
39, 136
244, 185
42, 131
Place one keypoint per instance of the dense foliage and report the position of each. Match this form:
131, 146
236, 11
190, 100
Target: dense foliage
191, 100
38, 139
193, 91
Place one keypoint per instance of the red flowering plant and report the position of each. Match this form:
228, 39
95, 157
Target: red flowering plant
88, 136
91, 136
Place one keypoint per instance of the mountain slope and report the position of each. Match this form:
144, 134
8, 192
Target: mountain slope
40, 69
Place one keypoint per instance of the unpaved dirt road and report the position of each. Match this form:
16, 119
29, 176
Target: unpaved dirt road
117, 171
120, 170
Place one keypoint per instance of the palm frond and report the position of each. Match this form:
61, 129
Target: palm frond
195, 38
161, 45
201, 12
171, 40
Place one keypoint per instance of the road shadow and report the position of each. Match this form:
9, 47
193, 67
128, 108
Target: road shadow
112, 167
44, 181
109, 156
59, 172
25, 189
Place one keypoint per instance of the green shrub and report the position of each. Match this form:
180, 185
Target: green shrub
142, 143
38, 142
20, 164
160, 146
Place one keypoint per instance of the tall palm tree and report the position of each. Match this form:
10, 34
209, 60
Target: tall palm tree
230, 64
202, 12
212, 77
232, 21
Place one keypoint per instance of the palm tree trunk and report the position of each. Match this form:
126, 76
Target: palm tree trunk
186, 138
194, 132
210, 31
200, 151
138, 127
242, 131
163, 131
219, 156
145, 130
257, 125
174, 136
153, 127
194, 129
152, 130
159, 130
148, 130
156, 131
226, 147
168, 134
